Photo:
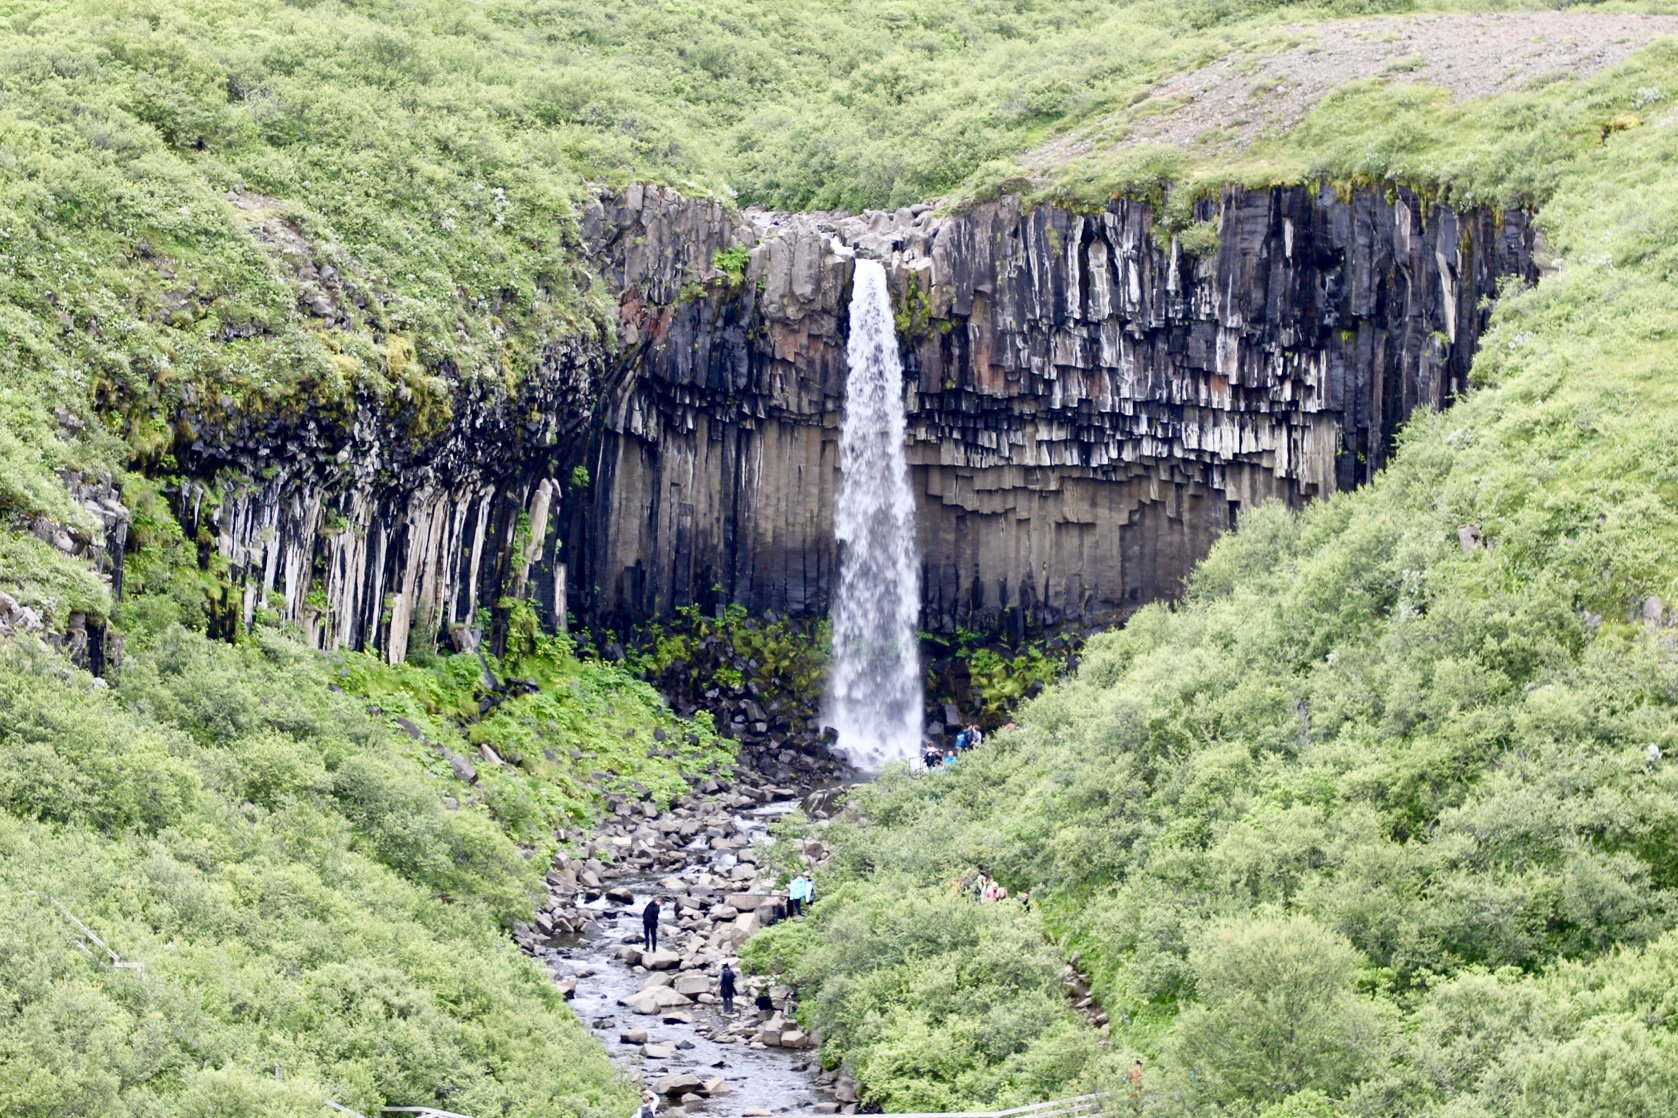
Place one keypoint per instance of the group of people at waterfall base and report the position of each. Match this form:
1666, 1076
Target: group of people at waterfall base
935, 756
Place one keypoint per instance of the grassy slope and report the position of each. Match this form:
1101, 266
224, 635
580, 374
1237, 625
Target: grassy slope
277, 851
1364, 825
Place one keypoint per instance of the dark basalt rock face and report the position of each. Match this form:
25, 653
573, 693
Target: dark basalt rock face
366, 536
1088, 409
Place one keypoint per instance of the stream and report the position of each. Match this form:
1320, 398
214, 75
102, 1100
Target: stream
694, 1039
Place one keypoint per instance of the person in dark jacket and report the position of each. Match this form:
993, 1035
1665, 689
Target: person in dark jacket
649, 925
725, 987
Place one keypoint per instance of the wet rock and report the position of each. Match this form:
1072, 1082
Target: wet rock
679, 1085
822, 803
653, 1001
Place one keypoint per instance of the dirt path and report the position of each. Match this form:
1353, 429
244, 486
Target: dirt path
1254, 93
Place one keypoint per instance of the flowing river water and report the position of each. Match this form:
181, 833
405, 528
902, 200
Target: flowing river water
693, 1039
874, 701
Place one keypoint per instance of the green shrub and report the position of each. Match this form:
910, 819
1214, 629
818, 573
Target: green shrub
937, 1002
1276, 1014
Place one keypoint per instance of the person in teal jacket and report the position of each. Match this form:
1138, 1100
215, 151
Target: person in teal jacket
798, 891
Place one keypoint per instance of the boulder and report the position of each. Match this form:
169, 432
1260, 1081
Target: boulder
653, 1001
643, 1002
661, 960
633, 1036
657, 1051
678, 1084
692, 984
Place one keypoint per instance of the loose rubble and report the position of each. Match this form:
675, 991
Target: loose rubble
702, 854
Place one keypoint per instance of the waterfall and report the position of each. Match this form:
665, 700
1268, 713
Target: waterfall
875, 700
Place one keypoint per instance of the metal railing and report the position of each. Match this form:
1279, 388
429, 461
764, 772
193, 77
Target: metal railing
422, 1111
1077, 1106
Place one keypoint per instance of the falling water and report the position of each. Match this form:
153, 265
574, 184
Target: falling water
875, 697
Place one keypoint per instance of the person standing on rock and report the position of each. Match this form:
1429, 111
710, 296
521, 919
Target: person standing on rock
795, 896
649, 925
725, 987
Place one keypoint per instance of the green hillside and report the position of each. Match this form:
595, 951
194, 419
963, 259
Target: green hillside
318, 901
1372, 793
1369, 823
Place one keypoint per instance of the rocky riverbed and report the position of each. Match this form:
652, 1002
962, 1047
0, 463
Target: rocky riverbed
658, 1012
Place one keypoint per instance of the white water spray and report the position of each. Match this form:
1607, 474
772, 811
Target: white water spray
875, 698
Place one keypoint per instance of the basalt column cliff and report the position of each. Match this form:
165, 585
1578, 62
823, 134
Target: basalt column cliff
1089, 403
1088, 407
